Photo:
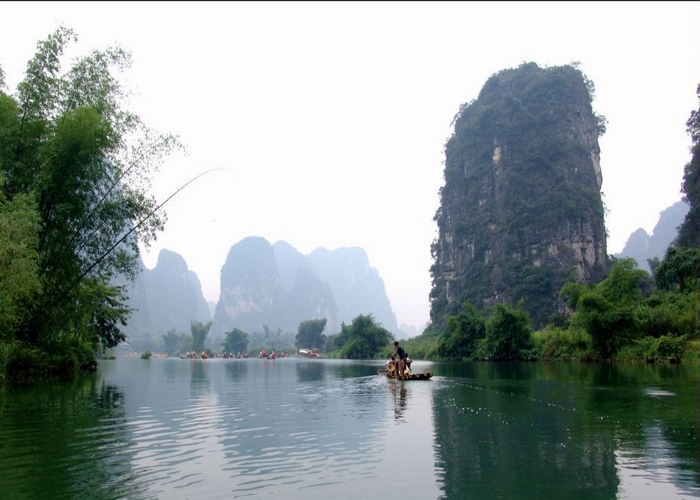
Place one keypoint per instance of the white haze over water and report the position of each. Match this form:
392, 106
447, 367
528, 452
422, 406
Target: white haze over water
323, 124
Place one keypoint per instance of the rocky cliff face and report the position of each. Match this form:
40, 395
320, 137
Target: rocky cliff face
356, 286
520, 211
276, 287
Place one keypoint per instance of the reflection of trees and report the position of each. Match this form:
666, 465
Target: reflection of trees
64, 417
560, 428
236, 370
200, 374
311, 371
498, 438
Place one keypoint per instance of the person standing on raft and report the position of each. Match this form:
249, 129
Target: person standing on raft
401, 354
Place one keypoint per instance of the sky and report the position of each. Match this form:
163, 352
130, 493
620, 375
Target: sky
323, 124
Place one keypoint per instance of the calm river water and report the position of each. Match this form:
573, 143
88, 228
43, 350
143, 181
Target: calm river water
330, 429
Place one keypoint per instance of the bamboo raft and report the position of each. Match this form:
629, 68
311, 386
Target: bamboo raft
408, 376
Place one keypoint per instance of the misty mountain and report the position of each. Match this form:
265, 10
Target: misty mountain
275, 287
264, 288
641, 246
168, 297
356, 286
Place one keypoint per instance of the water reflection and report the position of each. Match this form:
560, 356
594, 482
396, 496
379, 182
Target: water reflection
236, 370
199, 378
264, 432
399, 392
60, 439
310, 371
577, 434
313, 429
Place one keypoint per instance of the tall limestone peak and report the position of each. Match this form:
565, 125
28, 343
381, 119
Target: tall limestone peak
277, 287
251, 288
520, 210
356, 285
167, 297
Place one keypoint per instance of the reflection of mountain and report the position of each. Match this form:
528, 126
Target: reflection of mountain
249, 426
319, 429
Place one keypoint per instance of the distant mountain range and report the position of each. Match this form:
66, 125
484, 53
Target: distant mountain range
275, 287
641, 246
264, 287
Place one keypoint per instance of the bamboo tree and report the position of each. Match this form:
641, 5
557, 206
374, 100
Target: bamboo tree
67, 142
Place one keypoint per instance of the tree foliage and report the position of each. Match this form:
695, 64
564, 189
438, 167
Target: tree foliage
508, 334
362, 339
235, 341
608, 310
199, 332
689, 232
610, 325
462, 334
625, 307
76, 169
496, 333
310, 333
177, 343
680, 270
19, 279
625, 283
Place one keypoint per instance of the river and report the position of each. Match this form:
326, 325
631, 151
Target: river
310, 429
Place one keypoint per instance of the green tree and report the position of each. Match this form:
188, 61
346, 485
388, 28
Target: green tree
362, 339
689, 232
19, 280
462, 334
609, 325
67, 143
199, 334
236, 341
310, 333
508, 334
680, 270
176, 343
609, 312
626, 283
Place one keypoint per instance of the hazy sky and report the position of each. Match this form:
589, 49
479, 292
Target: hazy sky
325, 122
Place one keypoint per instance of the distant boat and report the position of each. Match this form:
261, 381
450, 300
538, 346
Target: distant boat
308, 353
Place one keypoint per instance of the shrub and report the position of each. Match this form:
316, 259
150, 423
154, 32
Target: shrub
20, 363
667, 348
508, 335
559, 344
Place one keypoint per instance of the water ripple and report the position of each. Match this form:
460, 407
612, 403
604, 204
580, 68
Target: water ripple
230, 429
